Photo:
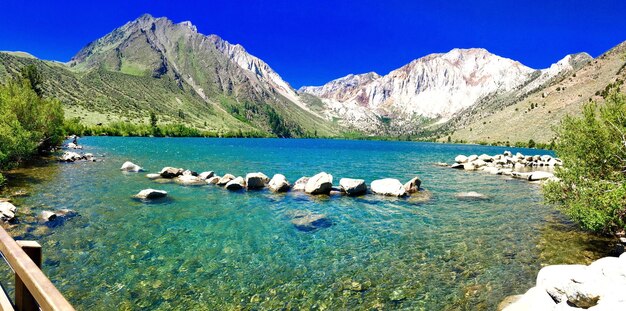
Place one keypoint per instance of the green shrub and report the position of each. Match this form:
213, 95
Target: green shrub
592, 190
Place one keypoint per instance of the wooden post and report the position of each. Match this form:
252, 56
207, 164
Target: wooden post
24, 300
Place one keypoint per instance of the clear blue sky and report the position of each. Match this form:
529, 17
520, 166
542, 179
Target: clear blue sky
312, 42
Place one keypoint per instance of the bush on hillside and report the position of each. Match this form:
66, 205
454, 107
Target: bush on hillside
28, 122
592, 190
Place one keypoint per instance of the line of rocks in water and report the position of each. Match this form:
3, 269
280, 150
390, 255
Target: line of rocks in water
319, 184
509, 164
598, 286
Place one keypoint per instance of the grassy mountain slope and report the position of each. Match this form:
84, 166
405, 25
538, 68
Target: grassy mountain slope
534, 116
153, 65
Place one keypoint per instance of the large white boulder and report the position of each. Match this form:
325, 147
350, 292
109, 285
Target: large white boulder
460, 159
225, 179
279, 183
170, 172
321, 183
131, 167
149, 194
189, 180
206, 175
540, 175
413, 185
236, 184
256, 180
388, 187
300, 183
7, 211
353, 187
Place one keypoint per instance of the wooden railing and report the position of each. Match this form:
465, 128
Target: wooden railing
33, 290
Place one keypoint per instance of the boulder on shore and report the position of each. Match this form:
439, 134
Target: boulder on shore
598, 286
7, 211
236, 184
321, 183
353, 187
131, 167
413, 185
256, 180
150, 194
300, 184
279, 183
171, 172
389, 187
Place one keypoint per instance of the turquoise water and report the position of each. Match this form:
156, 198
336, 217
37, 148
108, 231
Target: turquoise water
207, 248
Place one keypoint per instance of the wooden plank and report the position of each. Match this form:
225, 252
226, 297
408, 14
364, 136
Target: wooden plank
5, 302
48, 297
24, 300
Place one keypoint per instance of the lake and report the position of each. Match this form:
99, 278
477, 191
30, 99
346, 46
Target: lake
207, 248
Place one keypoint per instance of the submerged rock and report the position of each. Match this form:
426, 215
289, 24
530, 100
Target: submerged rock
149, 194
353, 187
47, 216
413, 185
131, 167
388, 187
279, 183
310, 222
321, 183
236, 184
472, 195
7, 211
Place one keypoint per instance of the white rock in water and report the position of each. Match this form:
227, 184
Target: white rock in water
47, 216
153, 176
225, 179
236, 184
460, 159
189, 180
149, 194
321, 183
279, 183
213, 180
300, 184
413, 185
485, 157
130, 167
206, 175
256, 180
353, 187
472, 158
7, 211
388, 187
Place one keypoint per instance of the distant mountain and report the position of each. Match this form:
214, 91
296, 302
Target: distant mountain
430, 89
536, 113
217, 85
